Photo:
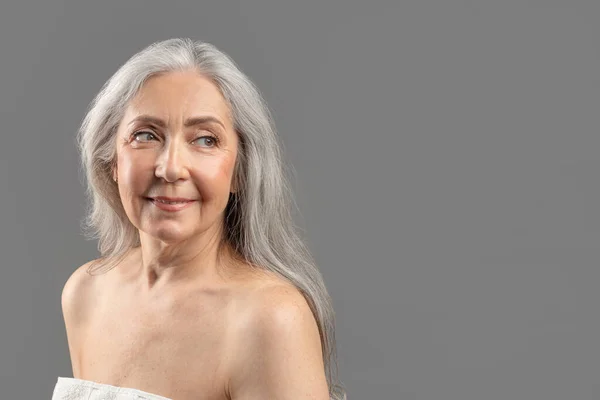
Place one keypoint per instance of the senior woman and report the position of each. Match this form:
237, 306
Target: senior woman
204, 289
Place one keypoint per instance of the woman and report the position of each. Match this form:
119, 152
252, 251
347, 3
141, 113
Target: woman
204, 289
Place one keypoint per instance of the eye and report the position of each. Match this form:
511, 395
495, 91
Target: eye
136, 135
212, 140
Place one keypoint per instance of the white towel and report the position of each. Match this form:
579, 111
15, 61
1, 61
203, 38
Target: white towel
79, 389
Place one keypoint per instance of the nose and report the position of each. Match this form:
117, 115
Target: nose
172, 163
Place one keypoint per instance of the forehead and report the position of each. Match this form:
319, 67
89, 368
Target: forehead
179, 94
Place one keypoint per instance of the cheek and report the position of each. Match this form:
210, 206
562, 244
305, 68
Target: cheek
135, 172
214, 178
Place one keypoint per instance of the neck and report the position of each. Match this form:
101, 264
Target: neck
163, 263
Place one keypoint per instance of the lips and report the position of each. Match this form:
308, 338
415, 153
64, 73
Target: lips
165, 199
175, 205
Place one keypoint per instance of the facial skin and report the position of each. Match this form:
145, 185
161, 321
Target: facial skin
175, 160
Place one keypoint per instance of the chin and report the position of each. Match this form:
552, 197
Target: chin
168, 234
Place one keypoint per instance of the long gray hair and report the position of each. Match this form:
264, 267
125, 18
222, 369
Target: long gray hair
258, 220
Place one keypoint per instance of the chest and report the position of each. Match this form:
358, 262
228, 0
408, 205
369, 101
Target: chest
173, 347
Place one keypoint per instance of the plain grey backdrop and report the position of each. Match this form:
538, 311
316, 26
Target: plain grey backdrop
447, 159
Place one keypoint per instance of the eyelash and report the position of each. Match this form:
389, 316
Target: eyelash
213, 138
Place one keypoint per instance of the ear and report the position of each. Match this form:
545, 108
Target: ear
114, 172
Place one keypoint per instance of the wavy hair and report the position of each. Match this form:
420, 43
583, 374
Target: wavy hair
258, 221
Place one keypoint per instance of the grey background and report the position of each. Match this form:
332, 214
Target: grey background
447, 175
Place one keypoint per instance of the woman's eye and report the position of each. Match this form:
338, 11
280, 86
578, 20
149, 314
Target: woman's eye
212, 141
146, 136
141, 134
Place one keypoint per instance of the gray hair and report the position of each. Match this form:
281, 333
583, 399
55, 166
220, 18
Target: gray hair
258, 219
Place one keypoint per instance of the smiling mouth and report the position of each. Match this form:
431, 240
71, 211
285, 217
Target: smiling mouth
166, 205
170, 202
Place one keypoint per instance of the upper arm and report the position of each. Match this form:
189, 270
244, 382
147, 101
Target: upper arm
73, 310
278, 352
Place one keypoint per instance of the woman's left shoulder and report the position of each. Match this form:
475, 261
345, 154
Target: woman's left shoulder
265, 294
270, 292
273, 305
275, 339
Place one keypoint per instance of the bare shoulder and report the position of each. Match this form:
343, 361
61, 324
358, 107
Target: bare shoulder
280, 315
275, 301
269, 297
75, 293
74, 301
277, 347
78, 288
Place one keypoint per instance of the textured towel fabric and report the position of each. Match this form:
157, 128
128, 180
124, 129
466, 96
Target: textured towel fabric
79, 389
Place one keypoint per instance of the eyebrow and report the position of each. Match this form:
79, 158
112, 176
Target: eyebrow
193, 121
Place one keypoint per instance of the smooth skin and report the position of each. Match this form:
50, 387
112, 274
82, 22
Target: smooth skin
170, 318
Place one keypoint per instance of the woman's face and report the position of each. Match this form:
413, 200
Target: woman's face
176, 139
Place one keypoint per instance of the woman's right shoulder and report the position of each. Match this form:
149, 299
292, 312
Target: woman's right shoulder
75, 293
